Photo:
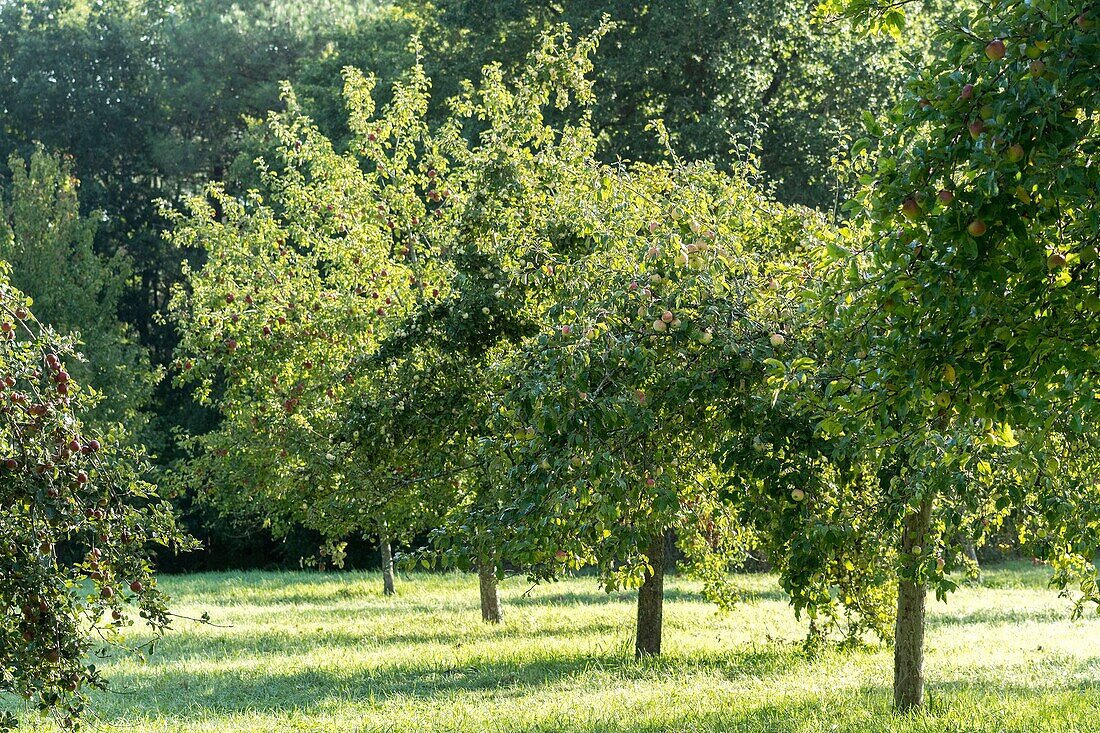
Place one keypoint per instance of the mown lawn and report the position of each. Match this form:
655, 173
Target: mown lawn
327, 652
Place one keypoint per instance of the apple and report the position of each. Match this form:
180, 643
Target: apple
967, 91
640, 395
940, 564
995, 49
1015, 153
976, 228
945, 196
917, 549
910, 208
706, 337
660, 326
634, 285
1037, 68
107, 593
977, 127
943, 400
798, 494
777, 340
1056, 261
949, 375
667, 317
561, 555
650, 482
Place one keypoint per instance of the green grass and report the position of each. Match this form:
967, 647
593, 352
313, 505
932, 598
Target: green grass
327, 652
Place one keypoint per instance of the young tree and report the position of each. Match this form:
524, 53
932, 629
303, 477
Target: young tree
76, 528
653, 357
382, 262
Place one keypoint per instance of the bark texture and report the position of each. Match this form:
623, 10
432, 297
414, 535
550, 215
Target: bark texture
909, 628
490, 596
386, 552
651, 598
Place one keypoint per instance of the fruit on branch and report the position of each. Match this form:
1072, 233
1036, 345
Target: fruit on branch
995, 49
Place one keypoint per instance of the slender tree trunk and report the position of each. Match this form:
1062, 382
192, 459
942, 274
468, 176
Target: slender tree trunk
972, 556
490, 596
909, 629
387, 565
651, 598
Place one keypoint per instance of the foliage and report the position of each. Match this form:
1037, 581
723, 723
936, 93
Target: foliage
957, 360
76, 527
50, 248
774, 77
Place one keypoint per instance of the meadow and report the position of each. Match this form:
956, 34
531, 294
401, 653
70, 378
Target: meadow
306, 651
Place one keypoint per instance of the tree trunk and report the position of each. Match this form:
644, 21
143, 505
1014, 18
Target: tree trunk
972, 556
387, 565
909, 629
651, 598
490, 597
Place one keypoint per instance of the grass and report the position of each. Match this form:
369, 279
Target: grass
328, 653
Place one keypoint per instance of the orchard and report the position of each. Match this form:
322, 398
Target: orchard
681, 436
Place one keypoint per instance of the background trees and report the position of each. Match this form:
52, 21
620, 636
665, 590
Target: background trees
49, 245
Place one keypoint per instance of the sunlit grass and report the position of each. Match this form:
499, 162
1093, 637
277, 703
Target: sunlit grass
327, 652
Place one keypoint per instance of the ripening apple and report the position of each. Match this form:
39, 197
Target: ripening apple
798, 494
940, 564
777, 340
1015, 153
945, 196
976, 128
967, 91
995, 49
976, 228
1037, 68
949, 375
650, 482
1056, 261
706, 337
566, 330
917, 549
943, 400
910, 208
667, 317
660, 326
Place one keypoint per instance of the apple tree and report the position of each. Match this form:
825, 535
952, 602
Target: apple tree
77, 529
962, 326
344, 318
610, 428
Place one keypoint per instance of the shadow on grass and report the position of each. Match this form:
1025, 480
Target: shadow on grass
184, 697
998, 616
182, 694
597, 597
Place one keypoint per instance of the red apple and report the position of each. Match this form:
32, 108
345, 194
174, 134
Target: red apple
995, 49
976, 228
